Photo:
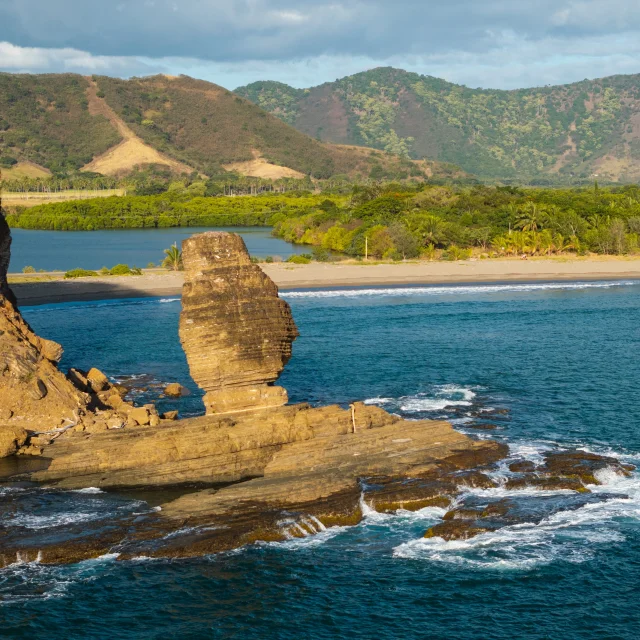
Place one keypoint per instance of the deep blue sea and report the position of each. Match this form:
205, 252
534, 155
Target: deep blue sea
64, 250
563, 359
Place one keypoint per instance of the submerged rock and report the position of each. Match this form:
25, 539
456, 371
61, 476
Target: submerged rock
582, 465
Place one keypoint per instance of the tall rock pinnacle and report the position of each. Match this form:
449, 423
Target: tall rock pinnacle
235, 330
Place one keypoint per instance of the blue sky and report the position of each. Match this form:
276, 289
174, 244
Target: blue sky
491, 43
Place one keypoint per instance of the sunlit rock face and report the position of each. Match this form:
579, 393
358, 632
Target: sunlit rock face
5, 256
34, 395
235, 330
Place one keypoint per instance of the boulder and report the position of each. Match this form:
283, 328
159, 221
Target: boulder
11, 439
235, 330
97, 380
175, 390
140, 416
169, 415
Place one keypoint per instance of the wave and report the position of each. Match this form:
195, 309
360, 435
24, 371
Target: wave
441, 397
566, 536
457, 289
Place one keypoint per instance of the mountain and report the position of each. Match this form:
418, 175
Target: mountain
550, 134
69, 122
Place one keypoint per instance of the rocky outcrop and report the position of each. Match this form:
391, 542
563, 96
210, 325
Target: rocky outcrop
5, 256
235, 330
33, 393
261, 470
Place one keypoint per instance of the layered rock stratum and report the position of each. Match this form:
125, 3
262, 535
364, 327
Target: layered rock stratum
235, 330
253, 468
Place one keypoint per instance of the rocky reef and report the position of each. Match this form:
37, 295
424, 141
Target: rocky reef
253, 468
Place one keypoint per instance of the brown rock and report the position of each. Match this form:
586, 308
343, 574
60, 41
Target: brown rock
11, 439
175, 390
169, 415
546, 483
32, 390
79, 380
582, 465
5, 415
140, 416
235, 330
97, 380
522, 466
115, 422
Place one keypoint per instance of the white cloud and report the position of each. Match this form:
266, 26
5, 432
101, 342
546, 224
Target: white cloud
36, 59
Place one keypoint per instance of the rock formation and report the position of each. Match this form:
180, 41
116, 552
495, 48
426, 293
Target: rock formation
266, 471
34, 395
235, 330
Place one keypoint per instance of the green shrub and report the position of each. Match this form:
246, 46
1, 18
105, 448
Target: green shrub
80, 273
299, 259
121, 270
151, 265
28, 270
320, 254
104, 271
269, 259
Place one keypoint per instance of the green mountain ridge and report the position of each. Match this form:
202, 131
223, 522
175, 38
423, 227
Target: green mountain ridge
574, 132
62, 122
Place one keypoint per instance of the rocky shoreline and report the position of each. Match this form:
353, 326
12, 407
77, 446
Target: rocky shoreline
253, 468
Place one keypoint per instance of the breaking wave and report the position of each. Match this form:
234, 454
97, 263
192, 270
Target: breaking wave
456, 289
441, 397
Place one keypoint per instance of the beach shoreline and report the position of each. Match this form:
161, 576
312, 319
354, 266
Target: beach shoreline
332, 275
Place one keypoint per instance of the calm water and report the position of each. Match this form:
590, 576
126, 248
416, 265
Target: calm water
64, 250
563, 359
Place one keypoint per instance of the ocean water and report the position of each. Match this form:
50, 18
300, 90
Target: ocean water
551, 365
64, 250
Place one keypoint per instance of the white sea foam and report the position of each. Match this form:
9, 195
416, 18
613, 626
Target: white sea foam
89, 490
31, 521
571, 535
441, 397
456, 289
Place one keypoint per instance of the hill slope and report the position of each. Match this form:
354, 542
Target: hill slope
557, 133
108, 125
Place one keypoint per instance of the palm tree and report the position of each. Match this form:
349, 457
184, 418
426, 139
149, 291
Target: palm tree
173, 261
531, 217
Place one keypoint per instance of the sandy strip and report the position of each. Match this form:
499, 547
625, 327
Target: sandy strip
320, 275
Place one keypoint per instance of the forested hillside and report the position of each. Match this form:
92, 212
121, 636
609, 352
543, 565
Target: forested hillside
567, 133
46, 120
64, 122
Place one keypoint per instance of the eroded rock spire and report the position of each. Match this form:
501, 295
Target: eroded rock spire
235, 330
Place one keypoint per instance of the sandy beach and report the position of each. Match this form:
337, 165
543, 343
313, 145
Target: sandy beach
320, 275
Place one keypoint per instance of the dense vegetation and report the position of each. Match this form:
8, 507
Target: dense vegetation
392, 223
45, 119
546, 135
180, 207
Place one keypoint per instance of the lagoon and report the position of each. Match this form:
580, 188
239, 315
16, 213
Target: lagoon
64, 250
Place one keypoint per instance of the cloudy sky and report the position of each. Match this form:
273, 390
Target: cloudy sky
480, 43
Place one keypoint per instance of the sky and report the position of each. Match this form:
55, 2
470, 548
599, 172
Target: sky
502, 44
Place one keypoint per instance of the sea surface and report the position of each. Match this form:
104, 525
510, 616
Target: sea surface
64, 250
553, 365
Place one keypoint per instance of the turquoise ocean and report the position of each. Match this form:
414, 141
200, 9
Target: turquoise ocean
553, 365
